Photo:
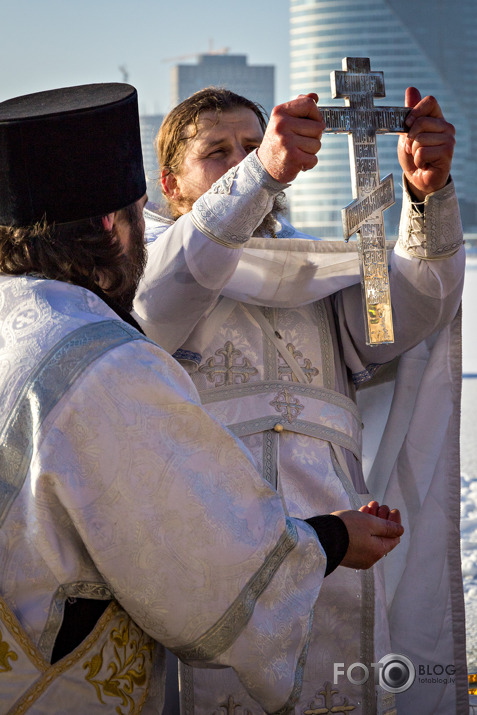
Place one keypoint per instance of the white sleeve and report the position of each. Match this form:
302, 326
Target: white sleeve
426, 280
191, 261
193, 543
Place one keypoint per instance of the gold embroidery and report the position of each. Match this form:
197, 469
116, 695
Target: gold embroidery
327, 705
5, 654
226, 371
16, 631
283, 403
230, 708
132, 650
285, 371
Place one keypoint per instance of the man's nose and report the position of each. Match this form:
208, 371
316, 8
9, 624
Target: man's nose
237, 155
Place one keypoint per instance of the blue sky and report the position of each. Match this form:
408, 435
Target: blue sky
53, 43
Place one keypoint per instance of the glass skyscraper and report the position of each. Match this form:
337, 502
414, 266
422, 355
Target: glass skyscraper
430, 44
256, 82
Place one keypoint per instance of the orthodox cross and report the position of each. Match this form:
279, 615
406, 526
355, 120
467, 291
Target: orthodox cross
229, 368
361, 120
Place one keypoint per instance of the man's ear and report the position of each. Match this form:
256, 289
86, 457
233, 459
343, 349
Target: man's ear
169, 185
108, 222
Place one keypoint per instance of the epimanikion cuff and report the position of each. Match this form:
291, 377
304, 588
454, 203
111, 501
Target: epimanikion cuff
431, 229
230, 211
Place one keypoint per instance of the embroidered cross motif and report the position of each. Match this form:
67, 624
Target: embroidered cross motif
285, 372
228, 371
287, 405
230, 708
327, 696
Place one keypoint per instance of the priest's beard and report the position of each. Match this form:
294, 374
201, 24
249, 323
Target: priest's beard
130, 269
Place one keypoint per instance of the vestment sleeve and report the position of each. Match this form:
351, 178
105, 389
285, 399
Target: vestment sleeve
426, 279
190, 261
193, 543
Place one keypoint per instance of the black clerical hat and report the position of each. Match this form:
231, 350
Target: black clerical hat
69, 154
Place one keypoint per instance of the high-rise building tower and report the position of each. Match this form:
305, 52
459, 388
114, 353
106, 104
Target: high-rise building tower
149, 126
430, 44
256, 82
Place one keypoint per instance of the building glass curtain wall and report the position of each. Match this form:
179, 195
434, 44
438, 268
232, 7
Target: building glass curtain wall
430, 44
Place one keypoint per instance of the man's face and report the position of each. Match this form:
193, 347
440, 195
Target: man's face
222, 141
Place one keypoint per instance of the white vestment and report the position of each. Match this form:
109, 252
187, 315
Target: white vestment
116, 485
271, 332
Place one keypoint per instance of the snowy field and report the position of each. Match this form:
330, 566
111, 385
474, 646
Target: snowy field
469, 460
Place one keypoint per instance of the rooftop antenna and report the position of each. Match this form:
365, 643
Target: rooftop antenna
124, 71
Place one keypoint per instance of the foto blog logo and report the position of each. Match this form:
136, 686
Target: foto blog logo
394, 673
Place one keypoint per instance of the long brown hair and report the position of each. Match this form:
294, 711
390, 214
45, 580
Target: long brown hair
170, 143
79, 252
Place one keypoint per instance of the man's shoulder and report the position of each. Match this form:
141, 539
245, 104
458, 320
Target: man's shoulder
157, 221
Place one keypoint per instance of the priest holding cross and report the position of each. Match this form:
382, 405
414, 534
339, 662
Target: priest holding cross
269, 324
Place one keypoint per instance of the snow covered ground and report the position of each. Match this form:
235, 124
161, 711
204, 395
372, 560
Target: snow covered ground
469, 514
469, 459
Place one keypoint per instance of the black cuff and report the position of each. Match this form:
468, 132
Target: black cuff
333, 536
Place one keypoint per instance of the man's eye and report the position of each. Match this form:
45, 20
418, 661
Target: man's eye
251, 147
216, 152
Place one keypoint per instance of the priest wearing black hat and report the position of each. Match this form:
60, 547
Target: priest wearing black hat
129, 518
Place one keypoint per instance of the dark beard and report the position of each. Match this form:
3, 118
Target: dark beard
121, 283
267, 228
134, 265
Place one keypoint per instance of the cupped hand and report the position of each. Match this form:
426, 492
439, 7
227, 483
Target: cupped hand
370, 537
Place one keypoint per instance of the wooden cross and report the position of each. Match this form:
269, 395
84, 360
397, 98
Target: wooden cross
361, 120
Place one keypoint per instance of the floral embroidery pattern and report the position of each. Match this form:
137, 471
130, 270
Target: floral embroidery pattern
5, 655
132, 651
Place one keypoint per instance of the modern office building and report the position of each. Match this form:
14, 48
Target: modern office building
430, 44
256, 82
149, 126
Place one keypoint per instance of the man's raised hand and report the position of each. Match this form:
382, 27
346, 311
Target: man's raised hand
425, 152
292, 138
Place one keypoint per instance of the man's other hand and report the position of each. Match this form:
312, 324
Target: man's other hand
425, 152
